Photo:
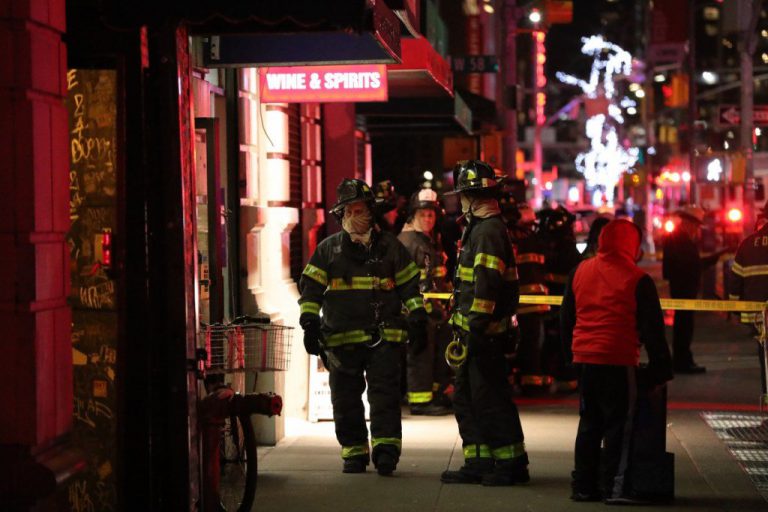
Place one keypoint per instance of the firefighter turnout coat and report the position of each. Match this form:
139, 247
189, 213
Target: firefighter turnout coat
749, 279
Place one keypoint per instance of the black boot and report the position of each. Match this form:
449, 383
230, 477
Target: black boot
355, 464
385, 464
508, 472
471, 472
430, 409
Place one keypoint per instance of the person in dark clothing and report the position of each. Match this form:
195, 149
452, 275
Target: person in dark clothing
609, 309
561, 256
749, 279
594, 233
428, 374
486, 296
362, 278
682, 267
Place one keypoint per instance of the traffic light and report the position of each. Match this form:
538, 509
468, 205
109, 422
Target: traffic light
558, 12
676, 94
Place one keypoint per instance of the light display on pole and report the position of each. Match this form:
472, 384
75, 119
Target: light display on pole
606, 159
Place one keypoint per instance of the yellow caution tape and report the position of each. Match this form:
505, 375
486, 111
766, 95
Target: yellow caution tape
681, 304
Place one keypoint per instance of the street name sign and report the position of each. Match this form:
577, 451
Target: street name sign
731, 115
475, 64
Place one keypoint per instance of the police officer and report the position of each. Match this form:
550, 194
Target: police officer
749, 277
360, 278
682, 266
556, 226
428, 374
530, 258
486, 297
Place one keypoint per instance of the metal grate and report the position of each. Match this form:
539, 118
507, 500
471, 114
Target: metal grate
248, 347
746, 437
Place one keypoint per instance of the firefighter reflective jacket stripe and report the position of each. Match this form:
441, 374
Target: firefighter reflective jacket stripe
487, 294
749, 273
360, 290
429, 257
530, 258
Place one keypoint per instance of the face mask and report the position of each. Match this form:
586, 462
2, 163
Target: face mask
357, 224
466, 204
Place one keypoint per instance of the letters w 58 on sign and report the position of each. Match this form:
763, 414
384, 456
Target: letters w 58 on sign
323, 84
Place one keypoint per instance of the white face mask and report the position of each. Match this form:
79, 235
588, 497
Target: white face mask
466, 204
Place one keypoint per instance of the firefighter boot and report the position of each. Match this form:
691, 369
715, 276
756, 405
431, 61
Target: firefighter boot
508, 472
472, 472
355, 464
430, 409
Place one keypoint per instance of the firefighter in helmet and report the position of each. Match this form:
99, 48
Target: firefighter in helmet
429, 377
561, 256
385, 206
360, 278
485, 299
529, 256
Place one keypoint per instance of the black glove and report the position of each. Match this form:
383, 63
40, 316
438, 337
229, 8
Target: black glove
417, 333
313, 338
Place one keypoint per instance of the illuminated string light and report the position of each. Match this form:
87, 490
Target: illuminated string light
606, 159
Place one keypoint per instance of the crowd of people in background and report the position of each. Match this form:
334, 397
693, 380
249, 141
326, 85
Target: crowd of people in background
482, 246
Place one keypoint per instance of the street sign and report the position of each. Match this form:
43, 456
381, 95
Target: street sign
731, 115
475, 64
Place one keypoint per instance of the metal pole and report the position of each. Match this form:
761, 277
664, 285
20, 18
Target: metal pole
747, 43
692, 111
538, 152
510, 87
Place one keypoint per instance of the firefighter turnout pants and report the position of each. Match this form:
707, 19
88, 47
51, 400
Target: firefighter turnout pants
427, 372
489, 423
350, 366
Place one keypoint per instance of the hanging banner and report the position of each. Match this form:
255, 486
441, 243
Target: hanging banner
323, 84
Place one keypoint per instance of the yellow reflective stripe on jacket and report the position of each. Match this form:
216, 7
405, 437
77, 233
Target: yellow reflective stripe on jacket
482, 306
751, 318
414, 303
362, 283
395, 441
466, 274
406, 274
354, 451
489, 261
473, 451
310, 307
529, 257
395, 335
440, 271
462, 322
419, 397
750, 270
508, 452
318, 274
510, 275
533, 288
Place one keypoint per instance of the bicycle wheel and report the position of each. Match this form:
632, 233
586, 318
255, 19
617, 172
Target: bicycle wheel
239, 465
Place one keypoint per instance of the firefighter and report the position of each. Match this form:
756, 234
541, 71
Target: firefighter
749, 277
428, 376
556, 227
485, 298
385, 207
360, 278
529, 256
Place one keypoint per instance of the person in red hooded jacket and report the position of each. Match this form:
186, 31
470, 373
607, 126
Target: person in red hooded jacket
610, 307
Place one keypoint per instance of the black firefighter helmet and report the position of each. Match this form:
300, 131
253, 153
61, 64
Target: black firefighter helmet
425, 198
351, 191
556, 221
474, 176
386, 198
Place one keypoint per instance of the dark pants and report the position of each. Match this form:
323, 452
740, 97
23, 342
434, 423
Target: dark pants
552, 354
606, 413
428, 371
350, 367
682, 335
484, 410
529, 348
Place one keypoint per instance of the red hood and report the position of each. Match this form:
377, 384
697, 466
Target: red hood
619, 238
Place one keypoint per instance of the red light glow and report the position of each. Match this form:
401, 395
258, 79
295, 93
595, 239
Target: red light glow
669, 226
735, 215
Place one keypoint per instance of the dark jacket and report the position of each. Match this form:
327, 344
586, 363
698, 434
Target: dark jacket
360, 290
531, 270
682, 265
610, 307
561, 258
487, 289
429, 256
749, 278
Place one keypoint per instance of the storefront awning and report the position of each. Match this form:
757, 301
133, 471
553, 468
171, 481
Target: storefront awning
423, 71
294, 32
401, 116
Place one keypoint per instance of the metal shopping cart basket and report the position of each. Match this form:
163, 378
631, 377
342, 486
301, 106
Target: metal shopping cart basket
246, 346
